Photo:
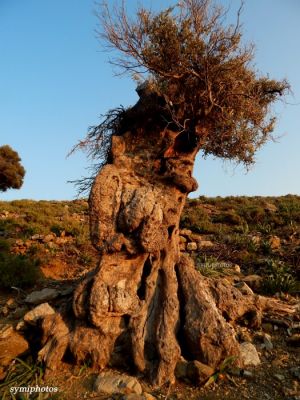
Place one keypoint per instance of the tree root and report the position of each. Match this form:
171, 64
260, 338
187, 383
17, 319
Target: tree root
158, 310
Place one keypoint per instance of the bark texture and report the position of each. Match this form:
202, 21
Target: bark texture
145, 298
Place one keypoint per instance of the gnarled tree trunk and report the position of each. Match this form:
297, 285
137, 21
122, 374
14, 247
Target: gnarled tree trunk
145, 296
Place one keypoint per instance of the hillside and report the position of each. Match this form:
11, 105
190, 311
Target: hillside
247, 240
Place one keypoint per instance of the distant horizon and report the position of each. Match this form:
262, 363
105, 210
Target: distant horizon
55, 81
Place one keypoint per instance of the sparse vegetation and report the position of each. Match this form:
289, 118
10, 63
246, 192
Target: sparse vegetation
16, 269
240, 238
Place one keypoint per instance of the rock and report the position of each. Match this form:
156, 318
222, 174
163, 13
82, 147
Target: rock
247, 374
181, 369
5, 331
11, 303
38, 312
294, 340
244, 288
248, 354
134, 396
182, 239
253, 281
42, 296
11, 347
192, 246
20, 326
109, 383
5, 311
37, 237
274, 242
205, 243
279, 377
49, 238
267, 341
185, 232
198, 372
236, 268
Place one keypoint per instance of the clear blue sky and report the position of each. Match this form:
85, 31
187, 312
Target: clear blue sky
55, 82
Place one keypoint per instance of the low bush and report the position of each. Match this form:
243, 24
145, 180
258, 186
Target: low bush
16, 270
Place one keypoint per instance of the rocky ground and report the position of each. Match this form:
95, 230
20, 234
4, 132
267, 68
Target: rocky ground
252, 242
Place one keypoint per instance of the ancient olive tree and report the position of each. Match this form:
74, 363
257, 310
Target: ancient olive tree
11, 171
145, 300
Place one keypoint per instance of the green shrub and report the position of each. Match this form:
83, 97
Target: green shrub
16, 270
278, 278
229, 217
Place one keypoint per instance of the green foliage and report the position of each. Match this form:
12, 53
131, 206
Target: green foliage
18, 270
222, 370
278, 278
23, 374
200, 70
11, 171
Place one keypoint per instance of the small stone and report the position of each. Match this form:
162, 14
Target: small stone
185, 232
11, 303
5, 311
110, 383
181, 369
182, 239
244, 288
205, 244
198, 372
134, 396
247, 374
20, 326
274, 242
248, 354
236, 268
254, 281
279, 377
294, 340
48, 238
38, 312
11, 347
42, 296
192, 246
37, 237
267, 341
5, 331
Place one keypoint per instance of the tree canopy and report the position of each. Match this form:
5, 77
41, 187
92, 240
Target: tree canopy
202, 69
11, 171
